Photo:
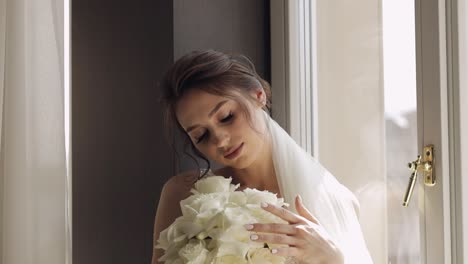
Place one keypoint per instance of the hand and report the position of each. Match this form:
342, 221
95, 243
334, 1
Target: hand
308, 241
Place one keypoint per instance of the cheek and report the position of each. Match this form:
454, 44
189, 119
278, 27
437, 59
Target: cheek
251, 128
208, 150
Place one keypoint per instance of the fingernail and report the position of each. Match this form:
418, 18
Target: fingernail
300, 198
274, 251
254, 237
248, 226
264, 205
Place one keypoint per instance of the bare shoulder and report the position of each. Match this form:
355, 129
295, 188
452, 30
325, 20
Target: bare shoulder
180, 184
176, 189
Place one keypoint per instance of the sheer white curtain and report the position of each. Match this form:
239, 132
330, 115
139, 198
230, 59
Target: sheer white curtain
33, 161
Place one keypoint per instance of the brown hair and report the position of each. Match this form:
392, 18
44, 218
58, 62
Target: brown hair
231, 76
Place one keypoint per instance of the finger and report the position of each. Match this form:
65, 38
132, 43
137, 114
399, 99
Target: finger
273, 228
282, 213
275, 239
303, 211
285, 251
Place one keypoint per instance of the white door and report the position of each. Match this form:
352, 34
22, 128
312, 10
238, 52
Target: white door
367, 87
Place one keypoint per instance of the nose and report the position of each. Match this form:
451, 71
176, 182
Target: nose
221, 139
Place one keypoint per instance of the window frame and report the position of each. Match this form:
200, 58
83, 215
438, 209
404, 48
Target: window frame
295, 106
293, 60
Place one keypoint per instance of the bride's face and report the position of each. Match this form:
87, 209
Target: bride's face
220, 130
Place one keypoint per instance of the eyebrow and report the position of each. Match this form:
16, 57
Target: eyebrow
215, 109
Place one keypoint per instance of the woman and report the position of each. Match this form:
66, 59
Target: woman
220, 104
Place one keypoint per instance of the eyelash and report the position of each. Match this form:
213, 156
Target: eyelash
224, 120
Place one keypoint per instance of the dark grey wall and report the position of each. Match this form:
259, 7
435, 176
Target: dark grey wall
239, 26
119, 156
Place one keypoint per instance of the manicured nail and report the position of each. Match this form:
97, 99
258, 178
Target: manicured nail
264, 205
274, 251
249, 227
254, 237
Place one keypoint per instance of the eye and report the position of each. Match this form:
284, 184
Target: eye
201, 138
227, 118
204, 135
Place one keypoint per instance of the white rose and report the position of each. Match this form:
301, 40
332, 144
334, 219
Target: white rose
201, 208
194, 252
171, 234
237, 199
238, 216
212, 202
170, 249
263, 216
255, 196
187, 208
264, 256
184, 229
230, 260
211, 228
202, 202
236, 241
213, 184
189, 228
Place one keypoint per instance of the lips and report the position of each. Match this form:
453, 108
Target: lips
234, 152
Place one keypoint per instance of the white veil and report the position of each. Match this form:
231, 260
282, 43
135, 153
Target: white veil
329, 201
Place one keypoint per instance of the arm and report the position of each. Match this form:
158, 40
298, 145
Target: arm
176, 189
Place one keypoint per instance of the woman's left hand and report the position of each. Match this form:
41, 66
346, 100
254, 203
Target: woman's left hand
308, 241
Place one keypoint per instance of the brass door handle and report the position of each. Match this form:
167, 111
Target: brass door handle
426, 167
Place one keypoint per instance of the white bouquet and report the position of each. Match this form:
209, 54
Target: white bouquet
211, 228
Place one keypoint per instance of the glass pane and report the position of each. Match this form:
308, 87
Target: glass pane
367, 127
400, 128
